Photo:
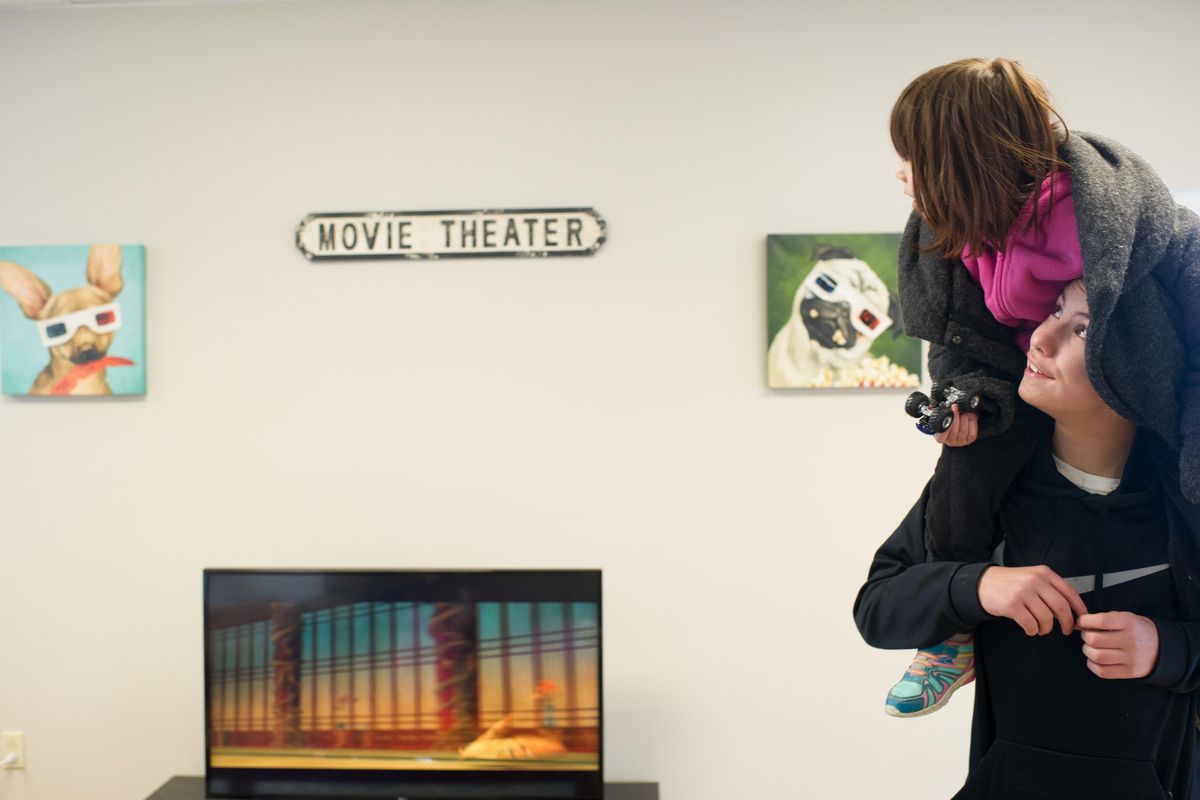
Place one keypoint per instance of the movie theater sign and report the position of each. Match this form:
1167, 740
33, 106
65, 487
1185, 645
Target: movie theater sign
531, 233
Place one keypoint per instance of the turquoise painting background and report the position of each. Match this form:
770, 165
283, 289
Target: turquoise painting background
22, 354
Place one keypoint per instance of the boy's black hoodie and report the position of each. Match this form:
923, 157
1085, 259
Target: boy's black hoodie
1044, 725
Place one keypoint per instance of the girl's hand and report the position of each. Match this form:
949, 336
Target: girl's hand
1032, 597
963, 431
1119, 644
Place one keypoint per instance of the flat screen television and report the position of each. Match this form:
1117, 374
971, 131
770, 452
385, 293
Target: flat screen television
399, 684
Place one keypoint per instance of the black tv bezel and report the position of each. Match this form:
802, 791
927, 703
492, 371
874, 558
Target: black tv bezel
332, 784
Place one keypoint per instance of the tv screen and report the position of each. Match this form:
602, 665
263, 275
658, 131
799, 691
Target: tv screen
324, 683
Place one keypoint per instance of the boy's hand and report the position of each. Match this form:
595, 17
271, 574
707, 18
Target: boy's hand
1119, 644
1033, 597
963, 431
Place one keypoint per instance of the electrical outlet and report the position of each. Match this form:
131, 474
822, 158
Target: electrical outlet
13, 742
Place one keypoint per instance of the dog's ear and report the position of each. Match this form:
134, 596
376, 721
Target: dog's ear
827, 252
30, 291
104, 268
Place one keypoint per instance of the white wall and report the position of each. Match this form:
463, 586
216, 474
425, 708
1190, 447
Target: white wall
606, 412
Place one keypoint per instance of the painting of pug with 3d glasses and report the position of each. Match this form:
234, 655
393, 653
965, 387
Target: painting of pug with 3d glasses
832, 317
72, 320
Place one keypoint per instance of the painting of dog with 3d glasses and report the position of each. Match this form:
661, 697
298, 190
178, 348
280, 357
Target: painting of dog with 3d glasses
832, 317
86, 338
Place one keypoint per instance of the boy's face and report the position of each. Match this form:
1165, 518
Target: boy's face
904, 175
1055, 379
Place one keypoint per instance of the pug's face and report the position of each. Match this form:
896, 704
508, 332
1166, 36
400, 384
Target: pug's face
828, 323
842, 304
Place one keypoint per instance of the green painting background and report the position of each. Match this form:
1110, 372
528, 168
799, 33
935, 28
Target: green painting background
790, 259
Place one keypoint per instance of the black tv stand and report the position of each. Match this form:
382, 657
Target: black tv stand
191, 787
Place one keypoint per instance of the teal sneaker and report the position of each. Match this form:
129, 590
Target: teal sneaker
932, 677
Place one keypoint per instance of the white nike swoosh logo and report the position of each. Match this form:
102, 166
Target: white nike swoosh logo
1087, 583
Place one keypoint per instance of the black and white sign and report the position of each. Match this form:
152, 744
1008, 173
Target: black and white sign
534, 232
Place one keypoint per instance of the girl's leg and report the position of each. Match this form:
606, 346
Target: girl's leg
968, 485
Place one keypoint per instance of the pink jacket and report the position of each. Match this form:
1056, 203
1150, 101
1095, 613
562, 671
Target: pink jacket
1021, 284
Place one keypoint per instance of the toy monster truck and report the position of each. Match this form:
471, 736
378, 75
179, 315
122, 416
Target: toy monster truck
934, 413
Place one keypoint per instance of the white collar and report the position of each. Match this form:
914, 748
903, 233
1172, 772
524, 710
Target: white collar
1093, 484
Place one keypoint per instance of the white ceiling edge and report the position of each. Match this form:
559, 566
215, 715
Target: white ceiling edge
6, 5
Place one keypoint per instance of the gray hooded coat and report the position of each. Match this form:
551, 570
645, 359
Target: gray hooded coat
1141, 270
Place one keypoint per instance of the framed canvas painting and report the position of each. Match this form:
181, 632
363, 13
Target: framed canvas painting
832, 316
73, 320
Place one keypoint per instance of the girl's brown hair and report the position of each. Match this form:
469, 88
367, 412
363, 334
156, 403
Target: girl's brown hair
981, 138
